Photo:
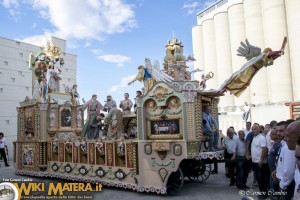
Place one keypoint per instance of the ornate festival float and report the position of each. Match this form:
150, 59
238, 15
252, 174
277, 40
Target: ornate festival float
150, 151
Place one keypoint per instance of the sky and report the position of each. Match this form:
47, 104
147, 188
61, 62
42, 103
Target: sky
111, 38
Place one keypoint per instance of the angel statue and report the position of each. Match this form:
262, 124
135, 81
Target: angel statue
150, 75
257, 59
204, 78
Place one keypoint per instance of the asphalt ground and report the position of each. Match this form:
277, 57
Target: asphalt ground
214, 188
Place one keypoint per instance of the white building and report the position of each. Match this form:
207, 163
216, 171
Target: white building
265, 23
16, 80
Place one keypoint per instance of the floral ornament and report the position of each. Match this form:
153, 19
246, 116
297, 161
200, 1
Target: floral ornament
55, 167
82, 170
100, 172
68, 168
120, 174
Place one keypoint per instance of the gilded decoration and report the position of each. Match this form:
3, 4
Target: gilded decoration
152, 109
20, 161
30, 156
52, 51
198, 116
27, 102
169, 128
75, 154
129, 148
160, 93
29, 124
49, 148
91, 153
193, 149
177, 149
174, 106
65, 117
161, 146
190, 121
135, 161
61, 152
110, 154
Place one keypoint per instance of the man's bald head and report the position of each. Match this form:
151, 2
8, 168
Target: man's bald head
293, 134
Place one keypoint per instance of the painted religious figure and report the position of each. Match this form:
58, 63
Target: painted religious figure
93, 107
126, 105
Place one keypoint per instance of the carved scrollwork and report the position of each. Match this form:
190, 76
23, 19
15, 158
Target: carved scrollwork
160, 93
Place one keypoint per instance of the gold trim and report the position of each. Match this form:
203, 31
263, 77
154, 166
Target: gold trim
165, 136
206, 98
190, 119
160, 93
61, 127
198, 116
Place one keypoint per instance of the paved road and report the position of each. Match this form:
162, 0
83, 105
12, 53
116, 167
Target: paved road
215, 188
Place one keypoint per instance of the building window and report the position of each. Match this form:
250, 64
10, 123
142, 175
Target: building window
13, 79
1, 90
7, 121
27, 88
21, 55
66, 69
5, 63
20, 73
69, 80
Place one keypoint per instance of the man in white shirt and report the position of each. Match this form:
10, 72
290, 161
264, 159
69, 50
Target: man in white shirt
259, 161
3, 149
285, 169
242, 173
293, 144
230, 154
246, 109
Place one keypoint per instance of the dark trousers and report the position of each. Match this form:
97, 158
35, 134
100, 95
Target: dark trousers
230, 164
242, 171
289, 191
3, 154
213, 138
262, 176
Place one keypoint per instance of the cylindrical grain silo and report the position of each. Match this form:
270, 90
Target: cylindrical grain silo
293, 20
237, 34
255, 34
209, 45
275, 29
198, 50
223, 54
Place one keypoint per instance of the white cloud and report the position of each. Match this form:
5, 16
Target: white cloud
124, 83
34, 25
77, 19
117, 59
192, 6
96, 51
87, 44
13, 8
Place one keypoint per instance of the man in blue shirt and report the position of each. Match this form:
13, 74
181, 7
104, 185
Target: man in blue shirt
208, 123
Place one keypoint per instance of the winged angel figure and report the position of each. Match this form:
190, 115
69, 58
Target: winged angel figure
257, 59
150, 74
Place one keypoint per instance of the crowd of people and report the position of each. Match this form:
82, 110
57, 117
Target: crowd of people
272, 152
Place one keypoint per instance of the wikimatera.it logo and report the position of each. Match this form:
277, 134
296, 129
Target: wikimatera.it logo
14, 191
